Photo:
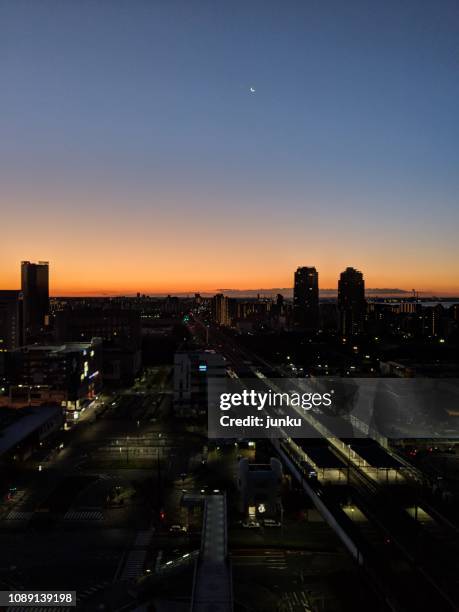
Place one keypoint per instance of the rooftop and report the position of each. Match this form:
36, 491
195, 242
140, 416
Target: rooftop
68, 347
22, 423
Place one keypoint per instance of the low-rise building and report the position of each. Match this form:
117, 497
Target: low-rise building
63, 374
260, 487
22, 431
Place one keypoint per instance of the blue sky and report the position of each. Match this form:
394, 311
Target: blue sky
122, 116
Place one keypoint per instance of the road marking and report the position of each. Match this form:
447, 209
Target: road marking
133, 568
16, 515
83, 516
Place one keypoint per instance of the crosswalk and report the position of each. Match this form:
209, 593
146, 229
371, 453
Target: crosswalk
134, 564
84, 515
18, 515
270, 559
275, 560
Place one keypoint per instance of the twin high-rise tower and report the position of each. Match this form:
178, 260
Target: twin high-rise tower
351, 300
306, 299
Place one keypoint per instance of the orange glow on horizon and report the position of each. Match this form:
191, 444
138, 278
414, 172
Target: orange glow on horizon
111, 284
103, 248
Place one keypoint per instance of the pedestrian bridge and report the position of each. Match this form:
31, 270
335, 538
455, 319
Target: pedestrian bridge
212, 587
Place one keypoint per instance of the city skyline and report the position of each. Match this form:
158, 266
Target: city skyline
229, 305
135, 156
288, 289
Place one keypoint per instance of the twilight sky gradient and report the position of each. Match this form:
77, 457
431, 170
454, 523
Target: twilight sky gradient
134, 158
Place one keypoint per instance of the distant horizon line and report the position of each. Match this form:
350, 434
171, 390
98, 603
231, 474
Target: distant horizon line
263, 292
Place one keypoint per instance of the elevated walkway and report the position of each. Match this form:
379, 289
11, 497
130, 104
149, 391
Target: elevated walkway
212, 588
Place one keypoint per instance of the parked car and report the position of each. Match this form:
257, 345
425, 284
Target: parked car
178, 529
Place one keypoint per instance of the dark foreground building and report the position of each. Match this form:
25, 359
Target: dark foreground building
10, 319
120, 331
65, 375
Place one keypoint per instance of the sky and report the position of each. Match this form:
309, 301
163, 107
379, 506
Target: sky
134, 157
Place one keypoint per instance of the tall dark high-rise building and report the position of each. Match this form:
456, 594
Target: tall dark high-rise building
351, 302
306, 298
35, 291
10, 319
